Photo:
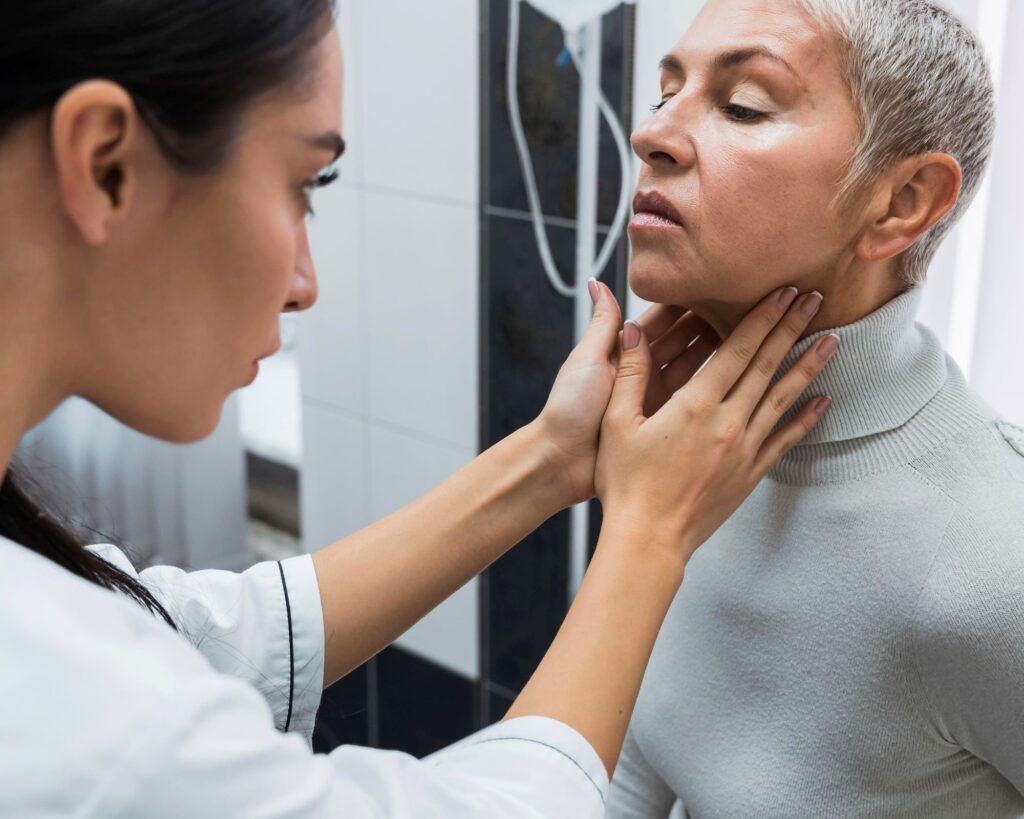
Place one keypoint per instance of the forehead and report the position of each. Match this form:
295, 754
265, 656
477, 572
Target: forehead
325, 80
314, 104
777, 24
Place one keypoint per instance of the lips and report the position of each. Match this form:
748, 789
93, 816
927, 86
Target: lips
652, 208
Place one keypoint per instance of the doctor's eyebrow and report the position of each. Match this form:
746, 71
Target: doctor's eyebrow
730, 59
329, 141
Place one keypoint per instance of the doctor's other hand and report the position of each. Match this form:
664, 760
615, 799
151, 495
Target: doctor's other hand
682, 471
570, 422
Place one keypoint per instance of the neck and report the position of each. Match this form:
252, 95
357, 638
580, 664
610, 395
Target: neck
26, 398
848, 297
36, 313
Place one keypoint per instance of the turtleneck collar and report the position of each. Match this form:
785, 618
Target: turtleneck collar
888, 369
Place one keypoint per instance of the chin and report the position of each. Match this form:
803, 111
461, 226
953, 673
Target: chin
655, 281
185, 427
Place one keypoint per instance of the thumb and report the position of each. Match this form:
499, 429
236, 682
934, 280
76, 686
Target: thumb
633, 374
602, 333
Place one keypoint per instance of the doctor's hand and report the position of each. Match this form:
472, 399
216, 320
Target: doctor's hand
571, 419
680, 472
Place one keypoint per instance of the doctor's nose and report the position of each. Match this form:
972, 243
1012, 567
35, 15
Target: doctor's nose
304, 289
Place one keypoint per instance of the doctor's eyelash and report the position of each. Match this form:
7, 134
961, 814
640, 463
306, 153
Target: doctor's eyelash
322, 180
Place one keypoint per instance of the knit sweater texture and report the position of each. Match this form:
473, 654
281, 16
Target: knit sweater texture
850, 643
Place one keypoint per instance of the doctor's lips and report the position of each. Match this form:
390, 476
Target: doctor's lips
652, 210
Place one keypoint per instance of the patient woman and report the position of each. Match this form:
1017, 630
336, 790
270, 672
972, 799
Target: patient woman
851, 642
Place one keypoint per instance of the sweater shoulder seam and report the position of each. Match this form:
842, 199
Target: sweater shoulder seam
915, 660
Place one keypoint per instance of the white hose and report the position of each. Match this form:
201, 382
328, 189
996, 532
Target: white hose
536, 214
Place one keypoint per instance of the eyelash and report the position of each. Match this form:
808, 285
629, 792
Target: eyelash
322, 180
754, 116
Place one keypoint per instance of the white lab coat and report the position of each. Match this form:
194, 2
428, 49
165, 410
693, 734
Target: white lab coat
106, 712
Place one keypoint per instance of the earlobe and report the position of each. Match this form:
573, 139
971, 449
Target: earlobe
92, 129
919, 192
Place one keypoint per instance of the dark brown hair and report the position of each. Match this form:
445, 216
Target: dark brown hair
192, 67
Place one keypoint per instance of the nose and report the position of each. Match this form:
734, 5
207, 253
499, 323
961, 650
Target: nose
663, 141
304, 289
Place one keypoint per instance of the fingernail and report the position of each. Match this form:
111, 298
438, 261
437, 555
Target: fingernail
823, 404
828, 346
786, 296
595, 291
630, 335
809, 306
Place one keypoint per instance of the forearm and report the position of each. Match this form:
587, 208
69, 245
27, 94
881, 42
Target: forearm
590, 677
378, 582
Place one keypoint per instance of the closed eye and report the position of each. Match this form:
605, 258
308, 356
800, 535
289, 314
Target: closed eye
739, 113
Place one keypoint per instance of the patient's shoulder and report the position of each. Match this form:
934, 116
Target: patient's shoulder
980, 471
981, 557
1012, 434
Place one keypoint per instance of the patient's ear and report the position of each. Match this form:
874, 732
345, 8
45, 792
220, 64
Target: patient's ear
908, 200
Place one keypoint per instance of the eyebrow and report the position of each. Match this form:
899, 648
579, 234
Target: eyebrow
329, 141
730, 59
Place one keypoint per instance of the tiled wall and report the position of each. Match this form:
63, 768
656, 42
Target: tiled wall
437, 333
389, 356
526, 326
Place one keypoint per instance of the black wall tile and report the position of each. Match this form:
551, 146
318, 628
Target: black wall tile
549, 108
526, 326
498, 705
343, 716
530, 335
423, 706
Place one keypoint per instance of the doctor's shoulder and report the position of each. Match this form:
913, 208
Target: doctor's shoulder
87, 675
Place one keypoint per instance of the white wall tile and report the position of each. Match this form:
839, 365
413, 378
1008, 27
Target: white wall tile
996, 372
403, 467
422, 315
330, 345
334, 493
418, 87
351, 166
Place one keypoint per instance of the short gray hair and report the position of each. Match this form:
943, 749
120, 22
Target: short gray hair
921, 82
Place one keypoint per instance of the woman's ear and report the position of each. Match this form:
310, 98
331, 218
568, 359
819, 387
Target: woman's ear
915, 194
94, 133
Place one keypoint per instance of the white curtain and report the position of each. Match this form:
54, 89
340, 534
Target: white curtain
173, 504
975, 291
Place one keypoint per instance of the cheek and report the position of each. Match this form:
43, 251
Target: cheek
766, 203
259, 260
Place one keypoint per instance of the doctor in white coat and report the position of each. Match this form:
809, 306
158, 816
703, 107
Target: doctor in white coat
156, 162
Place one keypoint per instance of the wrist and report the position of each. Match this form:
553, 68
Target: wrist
554, 463
642, 538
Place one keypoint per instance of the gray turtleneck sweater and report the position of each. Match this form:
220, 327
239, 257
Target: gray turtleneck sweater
851, 642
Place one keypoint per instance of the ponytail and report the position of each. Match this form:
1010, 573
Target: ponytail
26, 522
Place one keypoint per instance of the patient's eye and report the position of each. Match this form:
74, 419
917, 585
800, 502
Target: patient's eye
739, 113
657, 107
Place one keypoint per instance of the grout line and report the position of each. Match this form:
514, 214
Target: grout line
497, 688
402, 193
425, 437
524, 216
372, 704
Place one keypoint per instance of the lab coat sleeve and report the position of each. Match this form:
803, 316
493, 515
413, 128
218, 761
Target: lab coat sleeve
263, 626
210, 749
